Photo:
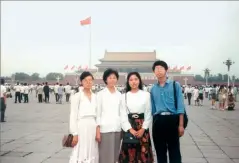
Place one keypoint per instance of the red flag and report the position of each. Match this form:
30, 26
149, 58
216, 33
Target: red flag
181, 68
73, 67
189, 68
86, 21
66, 67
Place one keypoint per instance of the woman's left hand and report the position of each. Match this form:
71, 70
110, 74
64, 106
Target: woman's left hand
140, 133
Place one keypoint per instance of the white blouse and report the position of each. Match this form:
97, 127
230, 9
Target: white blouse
108, 111
81, 107
138, 102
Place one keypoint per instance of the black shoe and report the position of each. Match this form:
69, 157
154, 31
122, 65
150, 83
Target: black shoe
3, 121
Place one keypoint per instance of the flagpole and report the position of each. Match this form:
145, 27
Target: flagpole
90, 45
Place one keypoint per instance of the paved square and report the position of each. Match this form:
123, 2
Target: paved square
33, 133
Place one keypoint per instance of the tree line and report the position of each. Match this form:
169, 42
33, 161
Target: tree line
216, 78
21, 76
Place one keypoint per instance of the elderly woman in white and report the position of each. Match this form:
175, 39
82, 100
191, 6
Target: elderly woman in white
83, 123
108, 119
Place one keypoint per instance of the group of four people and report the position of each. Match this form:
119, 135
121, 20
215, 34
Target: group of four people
97, 121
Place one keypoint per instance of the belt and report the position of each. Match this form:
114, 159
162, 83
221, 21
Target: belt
166, 113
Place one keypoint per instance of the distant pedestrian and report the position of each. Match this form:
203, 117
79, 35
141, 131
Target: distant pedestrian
67, 92
60, 93
201, 92
17, 89
26, 92
189, 91
3, 100
39, 92
56, 91
196, 95
46, 90
214, 96
22, 92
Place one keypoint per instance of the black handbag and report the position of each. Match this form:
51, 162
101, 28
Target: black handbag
129, 138
185, 121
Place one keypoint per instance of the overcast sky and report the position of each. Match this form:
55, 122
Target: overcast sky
45, 36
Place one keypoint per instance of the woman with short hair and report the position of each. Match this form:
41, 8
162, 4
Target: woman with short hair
108, 119
83, 123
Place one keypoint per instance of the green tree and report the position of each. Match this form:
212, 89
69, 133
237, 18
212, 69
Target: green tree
219, 77
21, 76
54, 75
199, 78
35, 76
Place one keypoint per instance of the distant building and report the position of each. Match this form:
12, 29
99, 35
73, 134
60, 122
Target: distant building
128, 61
125, 62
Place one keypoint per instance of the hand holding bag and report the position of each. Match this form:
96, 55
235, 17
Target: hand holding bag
129, 138
67, 139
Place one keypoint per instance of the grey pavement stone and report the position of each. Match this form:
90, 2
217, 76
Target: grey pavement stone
37, 157
191, 152
62, 154
11, 146
208, 147
56, 160
236, 160
194, 160
12, 160
232, 152
217, 160
33, 134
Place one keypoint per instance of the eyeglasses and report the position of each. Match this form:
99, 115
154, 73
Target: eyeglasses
159, 68
88, 81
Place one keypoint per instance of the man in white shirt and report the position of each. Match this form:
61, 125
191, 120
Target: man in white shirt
3, 100
39, 90
17, 89
206, 92
56, 92
22, 91
189, 91
68, 92
26, 92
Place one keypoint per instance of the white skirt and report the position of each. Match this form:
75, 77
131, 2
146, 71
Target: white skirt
86, 150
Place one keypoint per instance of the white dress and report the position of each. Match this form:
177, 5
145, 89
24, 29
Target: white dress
195, 94
83, 124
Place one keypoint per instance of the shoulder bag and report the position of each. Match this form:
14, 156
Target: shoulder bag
129, 138
185, 121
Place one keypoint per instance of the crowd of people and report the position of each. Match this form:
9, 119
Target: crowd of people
221, 94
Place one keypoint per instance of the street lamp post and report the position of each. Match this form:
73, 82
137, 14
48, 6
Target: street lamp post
233, 80
206, 74
228, 63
